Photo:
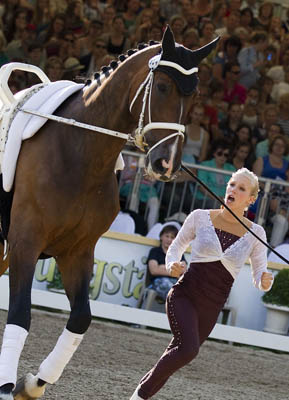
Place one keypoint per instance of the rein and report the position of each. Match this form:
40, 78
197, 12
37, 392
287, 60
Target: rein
234, 215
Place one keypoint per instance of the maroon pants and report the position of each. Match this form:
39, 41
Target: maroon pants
193, 306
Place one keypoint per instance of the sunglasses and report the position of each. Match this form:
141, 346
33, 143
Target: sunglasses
99, 46
220, 153
235, 72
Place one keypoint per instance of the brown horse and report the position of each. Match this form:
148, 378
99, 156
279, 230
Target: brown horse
66, 191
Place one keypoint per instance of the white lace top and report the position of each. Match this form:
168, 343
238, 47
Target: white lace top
199, 231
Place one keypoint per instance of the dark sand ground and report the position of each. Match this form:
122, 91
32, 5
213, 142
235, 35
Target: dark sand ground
113, 357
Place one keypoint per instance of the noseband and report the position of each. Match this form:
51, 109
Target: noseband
147, 85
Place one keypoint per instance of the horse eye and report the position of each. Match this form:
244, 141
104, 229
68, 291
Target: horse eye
162, 87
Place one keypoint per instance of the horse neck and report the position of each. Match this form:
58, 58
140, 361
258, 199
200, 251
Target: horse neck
108, 104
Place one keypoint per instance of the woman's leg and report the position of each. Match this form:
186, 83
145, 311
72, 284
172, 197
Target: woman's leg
183, 348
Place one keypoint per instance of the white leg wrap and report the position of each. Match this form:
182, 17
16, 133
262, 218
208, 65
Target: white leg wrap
135, 395
52, 367
13, 341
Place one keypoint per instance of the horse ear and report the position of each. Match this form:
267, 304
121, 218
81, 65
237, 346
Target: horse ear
168, 41
204, 51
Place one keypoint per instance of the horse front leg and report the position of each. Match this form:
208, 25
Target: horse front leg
76, 274
19, 317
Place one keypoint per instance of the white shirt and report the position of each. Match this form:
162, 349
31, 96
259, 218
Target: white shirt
199, 231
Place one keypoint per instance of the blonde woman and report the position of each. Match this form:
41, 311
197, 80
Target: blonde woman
220, 246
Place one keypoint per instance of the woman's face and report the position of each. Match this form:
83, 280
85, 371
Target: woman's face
118, 25
246, 19
243, 152
166, 239
278, 148
243, 134
221, 156
239, 192
197, 114
208, 30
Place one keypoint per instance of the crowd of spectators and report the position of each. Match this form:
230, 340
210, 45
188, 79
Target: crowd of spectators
242, 112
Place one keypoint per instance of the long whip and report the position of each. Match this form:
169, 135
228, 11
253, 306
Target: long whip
234, 215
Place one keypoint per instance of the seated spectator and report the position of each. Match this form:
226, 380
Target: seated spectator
265, 14
284, 113
242, 155
231, 22
215, 181
251, 108
218, 14
229, 126
274, 165
265, 86
281, 88
197, 138
204, 73
17, 26
117, 41
133, 8
247, 19
140, 33
161, 281
203, 9
54, 33
54, 68
156, 33
216, 99
268, 116
232, 47
157, 18
85, 43
279, 206
207, 33
36, 54
147, 192
72, 68
243, 134
262, 148
252, 59
93, 61
277, 72
211, 113
191, 39
93, 10
253, 5
177, 24
233, 90
75, 19
108, 15
68, 46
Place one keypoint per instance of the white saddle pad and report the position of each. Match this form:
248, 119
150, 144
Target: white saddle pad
24, 125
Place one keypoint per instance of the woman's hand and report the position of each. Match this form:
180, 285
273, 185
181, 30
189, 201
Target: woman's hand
266, 280
177, 269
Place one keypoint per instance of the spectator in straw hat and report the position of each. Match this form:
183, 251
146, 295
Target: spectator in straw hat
72, 67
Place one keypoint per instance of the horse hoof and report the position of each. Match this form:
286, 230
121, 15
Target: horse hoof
27, 388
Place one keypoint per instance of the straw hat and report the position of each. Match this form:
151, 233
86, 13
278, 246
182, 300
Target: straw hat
72, 64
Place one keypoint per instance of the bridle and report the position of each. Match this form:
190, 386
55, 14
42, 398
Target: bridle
147, 85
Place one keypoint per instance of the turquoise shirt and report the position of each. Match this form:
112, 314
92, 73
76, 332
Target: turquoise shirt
216, 182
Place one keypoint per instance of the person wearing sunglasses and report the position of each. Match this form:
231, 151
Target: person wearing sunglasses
216, 181
233, 91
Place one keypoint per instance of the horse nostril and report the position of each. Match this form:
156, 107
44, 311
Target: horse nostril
158, 166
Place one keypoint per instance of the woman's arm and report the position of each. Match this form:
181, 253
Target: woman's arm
204, 148
157, 269
258, 166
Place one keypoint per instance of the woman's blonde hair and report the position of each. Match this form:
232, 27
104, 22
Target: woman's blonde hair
253, 178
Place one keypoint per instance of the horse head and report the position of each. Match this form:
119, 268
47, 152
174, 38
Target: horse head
168, 92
